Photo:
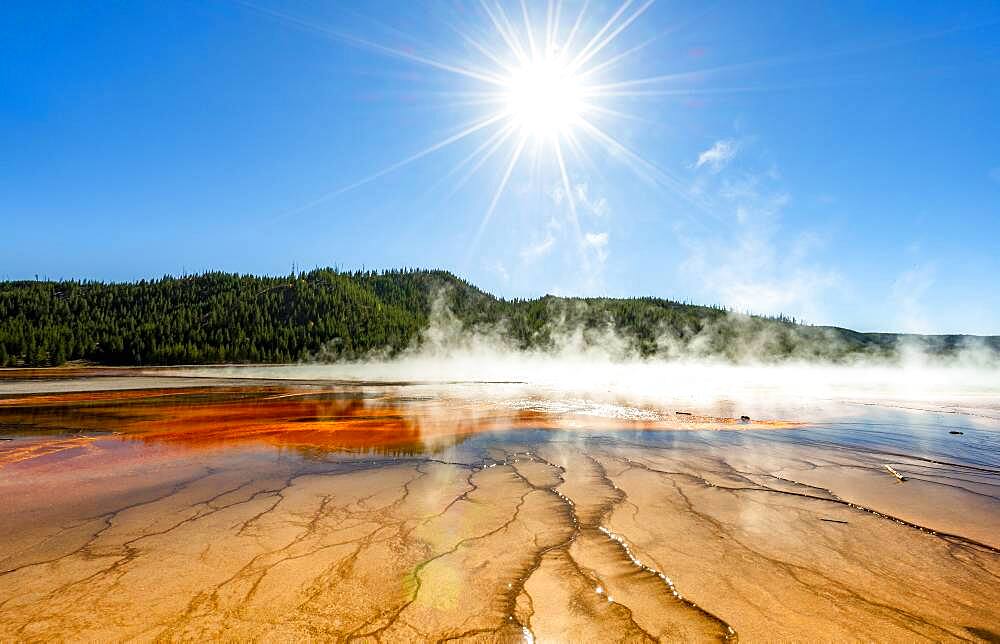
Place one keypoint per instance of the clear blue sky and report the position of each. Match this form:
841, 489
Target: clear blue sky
835, 161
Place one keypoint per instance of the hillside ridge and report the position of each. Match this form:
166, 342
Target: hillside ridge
326, 314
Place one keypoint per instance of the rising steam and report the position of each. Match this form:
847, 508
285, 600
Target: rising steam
592, 364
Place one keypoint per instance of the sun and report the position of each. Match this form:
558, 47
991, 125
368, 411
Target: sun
543, 87
544, 97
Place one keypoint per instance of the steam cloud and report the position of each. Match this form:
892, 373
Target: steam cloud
595, 363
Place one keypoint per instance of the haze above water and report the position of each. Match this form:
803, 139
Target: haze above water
812, 391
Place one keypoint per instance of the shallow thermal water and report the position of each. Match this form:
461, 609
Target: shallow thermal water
160, 505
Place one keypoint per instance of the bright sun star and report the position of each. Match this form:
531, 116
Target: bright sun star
544, 97
541, 82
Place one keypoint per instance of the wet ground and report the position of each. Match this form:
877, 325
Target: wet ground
150, 506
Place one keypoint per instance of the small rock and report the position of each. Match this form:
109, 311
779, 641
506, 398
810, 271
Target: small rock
745, 419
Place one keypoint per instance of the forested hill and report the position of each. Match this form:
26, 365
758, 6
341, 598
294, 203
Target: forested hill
331, 315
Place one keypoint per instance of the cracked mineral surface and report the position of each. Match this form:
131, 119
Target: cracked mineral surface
149, 507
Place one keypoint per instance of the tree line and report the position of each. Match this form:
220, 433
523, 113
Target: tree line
329, 314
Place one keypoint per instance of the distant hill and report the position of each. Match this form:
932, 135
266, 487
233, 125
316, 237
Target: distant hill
329, 315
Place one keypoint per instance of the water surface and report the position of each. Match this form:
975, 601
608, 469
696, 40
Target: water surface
149, 505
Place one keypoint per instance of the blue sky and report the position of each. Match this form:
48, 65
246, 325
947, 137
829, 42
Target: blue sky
835, 161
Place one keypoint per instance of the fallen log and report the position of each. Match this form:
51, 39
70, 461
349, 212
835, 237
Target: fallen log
893, 471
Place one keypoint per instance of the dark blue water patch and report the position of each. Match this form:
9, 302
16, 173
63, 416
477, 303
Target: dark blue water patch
917, 434
891, 433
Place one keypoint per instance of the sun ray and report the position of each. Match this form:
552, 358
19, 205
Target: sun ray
622, 27
491, 145
529, 30
600, 67
607, 111
614, 60
506, 177
581, 155
576, 27
578, 152
473, 102
696, 74
706, 91
499, 191
653, 173
462, 71
552, 23
652, 169
492, 56
361, 42
503, 27
607, 25
567, 187
511, 29
507, 133
475, 127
